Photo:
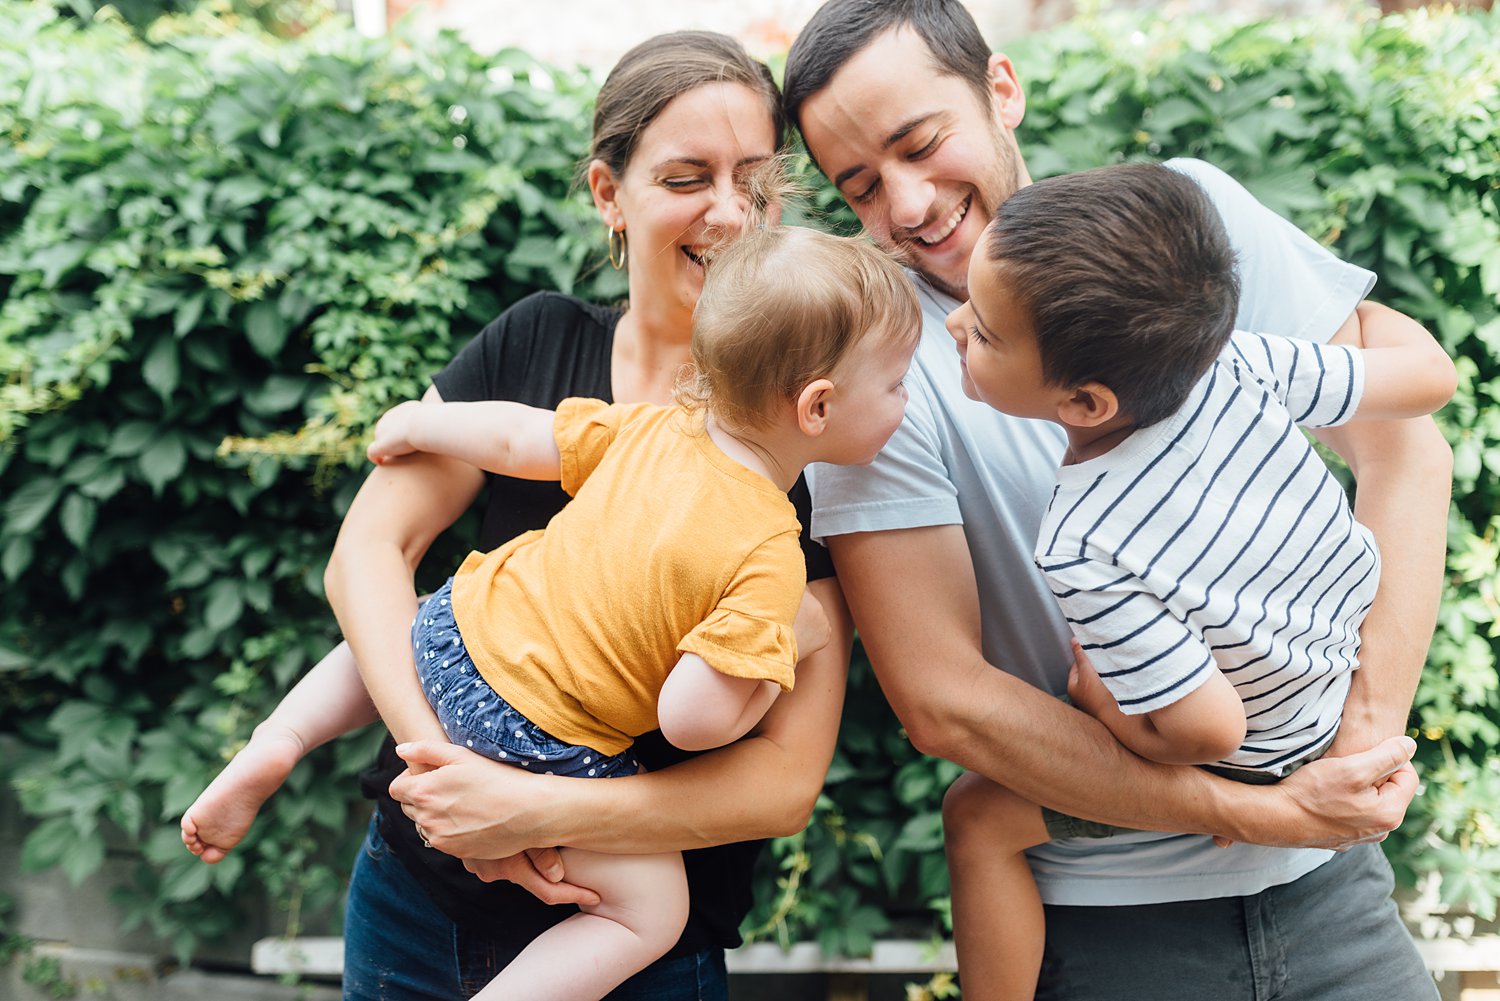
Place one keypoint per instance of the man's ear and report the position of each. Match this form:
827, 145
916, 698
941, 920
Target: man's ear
814, 404
604, 186
1088, 405
1006, 92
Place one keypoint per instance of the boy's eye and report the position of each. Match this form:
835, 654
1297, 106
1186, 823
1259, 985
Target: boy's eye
976, 335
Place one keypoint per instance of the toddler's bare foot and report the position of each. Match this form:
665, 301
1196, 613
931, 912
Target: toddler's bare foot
222, 814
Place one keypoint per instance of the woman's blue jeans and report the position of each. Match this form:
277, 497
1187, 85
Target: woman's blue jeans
398, 946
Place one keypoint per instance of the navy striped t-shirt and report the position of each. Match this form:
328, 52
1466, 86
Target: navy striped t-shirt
1218, 540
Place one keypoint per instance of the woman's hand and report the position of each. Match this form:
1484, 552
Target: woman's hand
469, 806
539, 872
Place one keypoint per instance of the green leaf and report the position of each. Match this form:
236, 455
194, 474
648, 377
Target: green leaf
131, 438
225, 603
160, 369
186, 317
28, 506
266, 328
77, 518
57, 260
187, 880
163, 461
16, 557
276, 395
47, 844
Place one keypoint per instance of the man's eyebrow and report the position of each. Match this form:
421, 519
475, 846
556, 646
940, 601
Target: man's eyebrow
901, 132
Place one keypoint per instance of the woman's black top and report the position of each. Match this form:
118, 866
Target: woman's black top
542, 350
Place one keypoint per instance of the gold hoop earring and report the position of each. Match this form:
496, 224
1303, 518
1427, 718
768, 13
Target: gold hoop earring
617, 262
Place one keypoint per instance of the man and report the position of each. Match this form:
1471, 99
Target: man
904, 108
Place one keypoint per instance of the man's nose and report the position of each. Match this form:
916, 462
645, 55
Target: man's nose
910, 198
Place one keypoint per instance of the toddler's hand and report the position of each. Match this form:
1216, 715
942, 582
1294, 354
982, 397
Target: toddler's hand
811, 626
393, 433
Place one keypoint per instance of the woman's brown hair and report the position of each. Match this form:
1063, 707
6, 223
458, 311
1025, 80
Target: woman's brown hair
650, 75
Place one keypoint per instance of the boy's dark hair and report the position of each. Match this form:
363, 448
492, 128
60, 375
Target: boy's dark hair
841, 29
1129, 278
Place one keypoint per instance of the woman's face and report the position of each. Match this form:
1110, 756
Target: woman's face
683, 190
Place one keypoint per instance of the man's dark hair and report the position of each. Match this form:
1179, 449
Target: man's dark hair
841, 29
1129, 278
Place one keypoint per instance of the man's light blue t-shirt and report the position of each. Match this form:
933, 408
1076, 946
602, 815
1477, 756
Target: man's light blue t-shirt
955, 461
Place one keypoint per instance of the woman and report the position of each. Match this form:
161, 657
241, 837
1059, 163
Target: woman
679, 124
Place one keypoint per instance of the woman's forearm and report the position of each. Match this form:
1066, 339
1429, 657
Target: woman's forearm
392, 521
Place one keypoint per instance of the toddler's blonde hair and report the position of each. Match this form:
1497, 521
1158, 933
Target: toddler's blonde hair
782, 306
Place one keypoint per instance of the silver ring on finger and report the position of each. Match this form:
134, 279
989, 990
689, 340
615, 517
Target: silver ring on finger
423, 835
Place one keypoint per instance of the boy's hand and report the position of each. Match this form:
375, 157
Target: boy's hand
1087, 692
393, 433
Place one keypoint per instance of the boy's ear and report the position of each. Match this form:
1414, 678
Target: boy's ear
1088, 405
813, 406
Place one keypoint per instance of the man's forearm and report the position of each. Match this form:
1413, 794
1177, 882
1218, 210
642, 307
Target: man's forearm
923, 638
1404, 470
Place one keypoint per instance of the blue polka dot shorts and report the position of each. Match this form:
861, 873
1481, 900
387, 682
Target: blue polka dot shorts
475, 717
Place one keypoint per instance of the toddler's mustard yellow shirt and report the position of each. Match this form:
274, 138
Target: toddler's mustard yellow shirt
668, 547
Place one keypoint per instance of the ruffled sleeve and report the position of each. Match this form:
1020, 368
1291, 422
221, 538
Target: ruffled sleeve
744, 646
748, 634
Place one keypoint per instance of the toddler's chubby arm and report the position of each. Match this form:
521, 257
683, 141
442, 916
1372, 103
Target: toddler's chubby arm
700, 707
1407, 373
502, 437
1205, 725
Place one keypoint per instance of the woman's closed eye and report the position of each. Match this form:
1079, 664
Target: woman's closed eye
977, 336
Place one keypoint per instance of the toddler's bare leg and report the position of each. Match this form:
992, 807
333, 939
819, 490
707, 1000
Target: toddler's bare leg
641, 916
329, 700
998, 928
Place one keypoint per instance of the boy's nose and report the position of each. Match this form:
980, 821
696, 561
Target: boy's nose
955, 325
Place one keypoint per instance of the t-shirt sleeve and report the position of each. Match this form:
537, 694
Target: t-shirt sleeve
584, 429
470, 375
1319, 384
1145, 655
749, 633
1289, 283
907, 486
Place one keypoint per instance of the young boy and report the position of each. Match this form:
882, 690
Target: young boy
1207, 562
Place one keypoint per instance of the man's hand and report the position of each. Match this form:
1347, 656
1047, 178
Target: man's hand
538, 871
1340, 802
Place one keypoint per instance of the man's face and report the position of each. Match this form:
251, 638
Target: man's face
921, 160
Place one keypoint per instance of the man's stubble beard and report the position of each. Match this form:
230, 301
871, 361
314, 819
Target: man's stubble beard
1004, 180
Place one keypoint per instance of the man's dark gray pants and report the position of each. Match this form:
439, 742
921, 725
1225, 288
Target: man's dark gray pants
1333, 935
